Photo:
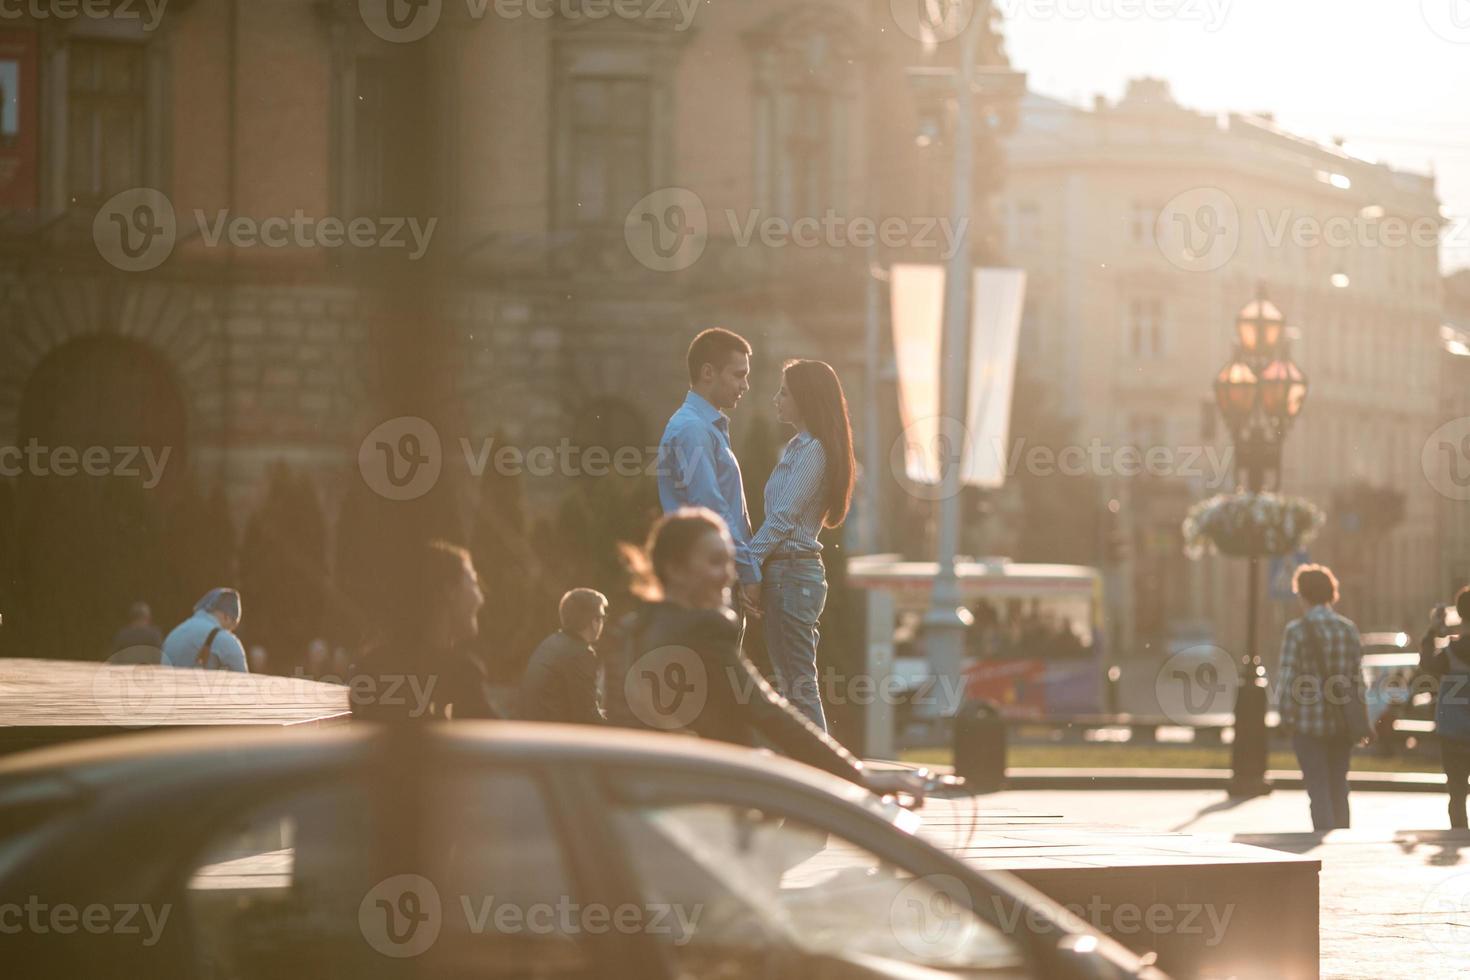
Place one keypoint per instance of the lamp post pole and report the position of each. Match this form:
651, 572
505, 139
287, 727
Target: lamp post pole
1260, 392
946, 622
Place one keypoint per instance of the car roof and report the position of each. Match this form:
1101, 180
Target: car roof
225, 751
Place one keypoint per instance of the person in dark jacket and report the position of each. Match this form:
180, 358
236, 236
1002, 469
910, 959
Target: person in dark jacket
420, 671
139, 631
1450, 665
680, 667
560, 683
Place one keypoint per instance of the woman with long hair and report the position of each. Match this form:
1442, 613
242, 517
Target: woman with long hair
679, 667
810, 488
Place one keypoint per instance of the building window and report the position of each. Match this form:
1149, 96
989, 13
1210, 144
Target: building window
106, 119
807, 66
1145, 328
611, 140
613, 106
1141, 219
1027, 233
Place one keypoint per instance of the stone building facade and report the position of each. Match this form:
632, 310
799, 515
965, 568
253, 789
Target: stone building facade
1145, 227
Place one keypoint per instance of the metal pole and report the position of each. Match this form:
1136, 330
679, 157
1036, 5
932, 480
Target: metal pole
946, 622
872, 443
1248, 753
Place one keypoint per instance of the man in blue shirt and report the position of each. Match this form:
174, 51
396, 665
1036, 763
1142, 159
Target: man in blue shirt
696, 466
207, 638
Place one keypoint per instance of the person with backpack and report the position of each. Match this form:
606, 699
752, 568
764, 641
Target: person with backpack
207, 638
1450, 666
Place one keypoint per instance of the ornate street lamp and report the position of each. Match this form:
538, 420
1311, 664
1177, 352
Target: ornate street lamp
1259, 394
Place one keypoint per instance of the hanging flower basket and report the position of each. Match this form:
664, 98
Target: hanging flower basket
1246, 525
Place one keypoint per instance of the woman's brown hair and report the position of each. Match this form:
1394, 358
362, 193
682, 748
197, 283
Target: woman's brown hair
823, 407
669, 543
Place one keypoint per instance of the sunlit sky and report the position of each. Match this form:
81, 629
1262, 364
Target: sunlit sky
1391, 76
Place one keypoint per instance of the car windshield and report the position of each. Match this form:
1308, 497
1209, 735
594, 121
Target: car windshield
742, 879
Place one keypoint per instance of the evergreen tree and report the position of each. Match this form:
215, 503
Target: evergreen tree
283, 571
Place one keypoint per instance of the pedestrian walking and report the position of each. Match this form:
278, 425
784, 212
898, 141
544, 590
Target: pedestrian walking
1321, 697
696, 465
1444, 653
207, 638
561, 679
810, 488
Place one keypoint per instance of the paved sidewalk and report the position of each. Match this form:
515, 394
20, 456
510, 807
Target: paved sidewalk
1395, 890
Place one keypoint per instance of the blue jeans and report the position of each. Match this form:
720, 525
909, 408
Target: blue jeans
1324, 761
793, 595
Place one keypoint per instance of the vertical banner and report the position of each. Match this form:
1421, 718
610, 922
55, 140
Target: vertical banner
917, 307
997, 299
19, 104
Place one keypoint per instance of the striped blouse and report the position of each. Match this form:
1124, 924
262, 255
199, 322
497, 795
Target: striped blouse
794, 501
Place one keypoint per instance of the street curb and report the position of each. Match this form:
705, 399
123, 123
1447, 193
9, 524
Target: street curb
1064, 778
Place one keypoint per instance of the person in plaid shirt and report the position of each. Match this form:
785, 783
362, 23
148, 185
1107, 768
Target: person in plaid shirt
1305, 697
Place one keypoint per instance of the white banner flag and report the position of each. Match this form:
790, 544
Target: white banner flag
917, 307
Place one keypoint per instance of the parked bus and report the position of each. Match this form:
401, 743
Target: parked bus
1035, 647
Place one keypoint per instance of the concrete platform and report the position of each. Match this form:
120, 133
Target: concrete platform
43, 702
1206, 906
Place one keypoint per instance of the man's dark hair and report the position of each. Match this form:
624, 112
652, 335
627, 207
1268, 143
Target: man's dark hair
1462, 605
1315, 583
714, 346
140, 612
580, 608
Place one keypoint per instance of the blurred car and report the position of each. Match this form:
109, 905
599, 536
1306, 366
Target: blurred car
494, 850
1391, 674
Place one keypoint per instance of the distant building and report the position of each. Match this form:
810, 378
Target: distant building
1144, 228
